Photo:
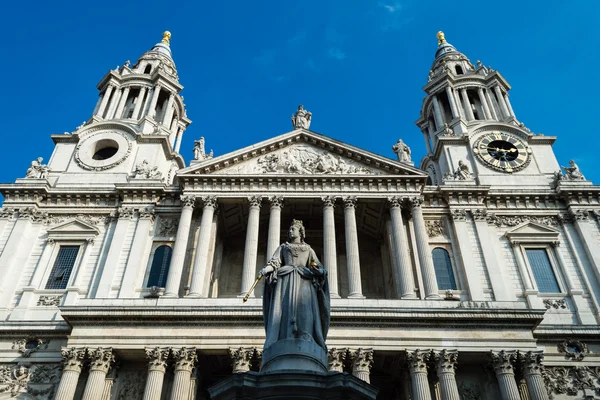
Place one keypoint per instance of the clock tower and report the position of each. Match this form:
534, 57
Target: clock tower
472, 134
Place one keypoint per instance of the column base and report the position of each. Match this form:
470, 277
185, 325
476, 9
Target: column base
356, 296
194, 296
409, 297
433, 297
334, 296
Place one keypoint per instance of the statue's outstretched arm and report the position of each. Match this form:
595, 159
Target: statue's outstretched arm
273, 264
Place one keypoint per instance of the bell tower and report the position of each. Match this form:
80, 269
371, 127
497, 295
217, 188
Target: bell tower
135, 130
471, 131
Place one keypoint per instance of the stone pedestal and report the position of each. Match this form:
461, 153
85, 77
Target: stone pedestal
294, 354
292, 385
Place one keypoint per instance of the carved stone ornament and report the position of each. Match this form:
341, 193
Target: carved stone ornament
101, 359
514, 220
85, 149
143, 170
415, 201
146, 212
185, 358
167, 227
349, 201
301, 118
157, 358
531, 362
210, 201
187, 200
7, 212
132, 386
126, 212
92, 219
337, 359
73, 358
402, 151
328, 201
301, 159
255, 201
200, 152
579, 215
30, 345
395, 202
445, 361
362, 359
458, 215
38, 380
571, 380
49, 301
502, 361
241, 358
276, 201
556, 304
14, 379
434, 228
469, 391
418, 360
574, 349
37, 170
33, 214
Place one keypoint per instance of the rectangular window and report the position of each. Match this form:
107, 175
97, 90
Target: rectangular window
542, 270
63, 266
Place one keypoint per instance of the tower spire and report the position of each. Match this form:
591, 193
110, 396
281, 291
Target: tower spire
441, 38
166, 38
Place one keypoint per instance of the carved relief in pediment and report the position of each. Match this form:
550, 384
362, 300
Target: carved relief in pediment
301, 159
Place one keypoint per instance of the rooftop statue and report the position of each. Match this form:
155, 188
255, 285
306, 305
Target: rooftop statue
572, 172
402, 151
301, 119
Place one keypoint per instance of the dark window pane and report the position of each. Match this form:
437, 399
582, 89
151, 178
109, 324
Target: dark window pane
63, 266
542, 271
443, 269
160, 267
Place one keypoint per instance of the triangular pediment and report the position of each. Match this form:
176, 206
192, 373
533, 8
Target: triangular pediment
532, 232
74, 227
301, 152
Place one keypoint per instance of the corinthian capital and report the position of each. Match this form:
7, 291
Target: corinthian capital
337, 357
394, 202
210, 201
73, 358
101, 359
349, 201
185, 358
445, 361
241, 358
276, 201
416, 201
255, 201
328, 201
417, 360
362, 359
502, 361
187, 200
531, 362
157, 358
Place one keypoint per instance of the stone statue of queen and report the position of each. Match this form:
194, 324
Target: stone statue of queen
295, 306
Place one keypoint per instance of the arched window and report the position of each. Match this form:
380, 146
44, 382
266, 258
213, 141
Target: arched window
443, 269
459, 70
429, 181
160, 266
148, 69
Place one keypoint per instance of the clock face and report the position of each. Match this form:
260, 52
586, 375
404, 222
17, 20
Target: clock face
502, 152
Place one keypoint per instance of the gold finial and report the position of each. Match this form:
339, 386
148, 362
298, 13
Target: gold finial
441, 38
166, 38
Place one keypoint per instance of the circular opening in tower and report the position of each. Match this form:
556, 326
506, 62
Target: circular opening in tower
105, 149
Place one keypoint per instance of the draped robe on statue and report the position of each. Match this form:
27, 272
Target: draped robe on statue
296, 296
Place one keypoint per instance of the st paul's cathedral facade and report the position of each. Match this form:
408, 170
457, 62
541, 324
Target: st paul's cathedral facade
474, 275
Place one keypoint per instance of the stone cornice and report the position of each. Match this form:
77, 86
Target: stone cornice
340, 316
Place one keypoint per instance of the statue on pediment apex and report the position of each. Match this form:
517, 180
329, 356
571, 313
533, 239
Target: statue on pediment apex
402, 151
301, 119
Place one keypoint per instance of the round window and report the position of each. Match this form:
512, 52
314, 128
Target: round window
105, 149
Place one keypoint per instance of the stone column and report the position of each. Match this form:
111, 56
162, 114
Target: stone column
152, 106
329, 245
425, 260
138, 257
157, 365
101, 360
113, 103
427, 142
121, 106
274, 234
352, 251
241, 358
169, 111
138, 103
417, 364
178, 139
72, 363
445, 363
461, 109
251, 248
403, 276
181, 240
362, 361
437, 113
490, 104
200, 263
501, 102
467, 104
484, 104
125, 216
502, 364
531, 364
185, 358
453, 108
337, 358
105, 99
508, 105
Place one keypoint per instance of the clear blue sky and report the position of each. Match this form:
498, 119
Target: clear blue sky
358, 66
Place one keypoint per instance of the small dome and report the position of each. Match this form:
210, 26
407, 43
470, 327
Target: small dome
448, 59
159, 56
